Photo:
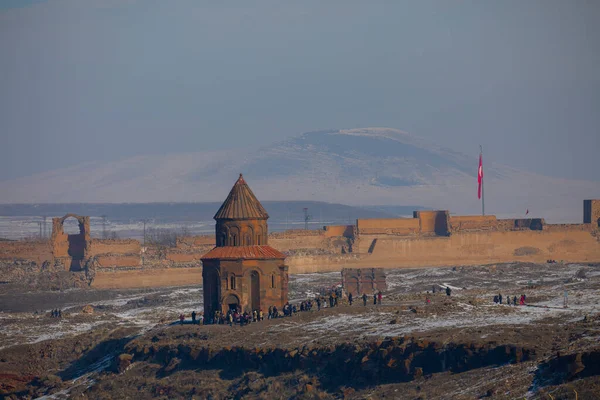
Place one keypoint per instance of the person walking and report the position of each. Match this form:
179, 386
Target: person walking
448, 291
350, 298
499, 298
374, 299
193, 317
270, 312
318, 304
181, 318
379, 297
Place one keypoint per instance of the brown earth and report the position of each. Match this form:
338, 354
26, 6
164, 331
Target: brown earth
462, 346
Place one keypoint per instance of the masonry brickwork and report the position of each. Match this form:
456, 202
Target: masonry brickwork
591, 212
243, 272
359, 281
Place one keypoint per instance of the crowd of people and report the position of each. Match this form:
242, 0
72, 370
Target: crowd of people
511, 302
236, 316
56, 313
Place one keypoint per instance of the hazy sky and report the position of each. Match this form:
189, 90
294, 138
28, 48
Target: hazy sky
106, 79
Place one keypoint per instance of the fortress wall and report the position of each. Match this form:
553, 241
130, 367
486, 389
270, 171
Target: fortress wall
187, 257
485, 247
38, 251
465, 223
293, 242
390, 226
591, 212
148, 278
196, 241
116, 253
568, 227
118, 261
296, 232
307, 264
433, 221
115, 246
504, 225
339, 230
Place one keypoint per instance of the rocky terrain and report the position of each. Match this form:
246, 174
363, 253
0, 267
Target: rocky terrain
126, 344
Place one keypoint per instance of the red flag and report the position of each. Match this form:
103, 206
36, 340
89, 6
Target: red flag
479, 177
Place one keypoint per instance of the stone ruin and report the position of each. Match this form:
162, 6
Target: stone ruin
73, 250
363, 280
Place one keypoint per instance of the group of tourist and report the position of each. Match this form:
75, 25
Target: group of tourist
56, 313
236, 316
513, 302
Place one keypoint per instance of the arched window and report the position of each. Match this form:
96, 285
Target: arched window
223, 235
232, 282
273, 280
235, 236
249, 236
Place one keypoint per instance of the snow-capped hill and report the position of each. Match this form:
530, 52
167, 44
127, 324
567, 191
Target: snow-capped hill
366, 166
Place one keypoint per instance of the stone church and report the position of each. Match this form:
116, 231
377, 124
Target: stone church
243, 271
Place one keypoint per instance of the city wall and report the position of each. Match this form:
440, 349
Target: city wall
430, 238
37, 251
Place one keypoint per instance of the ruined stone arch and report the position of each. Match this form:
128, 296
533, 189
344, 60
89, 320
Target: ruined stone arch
72, 248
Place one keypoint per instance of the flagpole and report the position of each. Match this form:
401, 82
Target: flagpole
482, 192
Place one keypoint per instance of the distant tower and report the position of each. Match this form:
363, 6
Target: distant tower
243, 271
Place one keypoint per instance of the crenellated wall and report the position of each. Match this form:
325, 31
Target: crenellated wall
466, 223
392, 226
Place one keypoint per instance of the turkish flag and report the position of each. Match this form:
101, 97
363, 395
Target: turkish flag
479, 176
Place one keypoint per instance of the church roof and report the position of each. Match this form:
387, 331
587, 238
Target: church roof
246, 252
241, 203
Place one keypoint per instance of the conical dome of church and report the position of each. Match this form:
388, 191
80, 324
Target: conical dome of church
241, 204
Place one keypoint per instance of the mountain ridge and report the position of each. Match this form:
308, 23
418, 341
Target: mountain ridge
375, 166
